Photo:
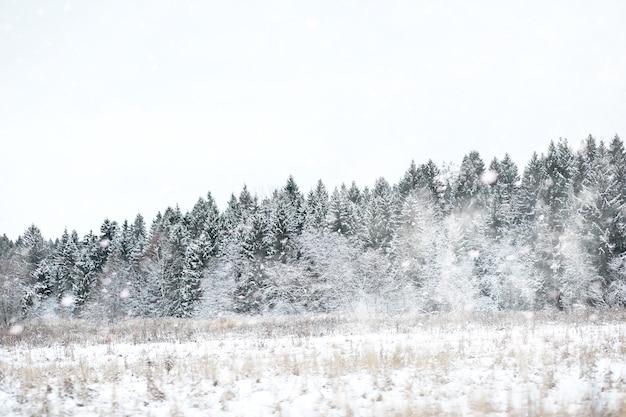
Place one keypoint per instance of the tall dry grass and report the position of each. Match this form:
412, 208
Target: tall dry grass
411, 365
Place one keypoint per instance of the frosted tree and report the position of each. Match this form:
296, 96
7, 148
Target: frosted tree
343, 214
123, 243
148, 291
456, 287
114, 291
469, 191
171, 270
329, 260
543, 241
411, 181
287, 289
560, 170
315, 209
380, 217
65, 263
139, 237
426, 176
513, 281
616, 195
12, 292
593, 207
579, 283
31, 249
20, 288
284, 222
585, 162
355, 195
415, 246
244, 250
186, 283
204, 225
5, 246
376, 286
28, 265
217, 287
502, 179
528, 194
108, 232
615, 292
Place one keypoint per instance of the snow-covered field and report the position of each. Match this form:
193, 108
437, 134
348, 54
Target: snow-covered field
501, 365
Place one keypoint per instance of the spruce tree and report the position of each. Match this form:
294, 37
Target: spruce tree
529, 193
5, 246
284, 222
502, 192
470, 191
343, 214
316, 208
380, 217
139, 237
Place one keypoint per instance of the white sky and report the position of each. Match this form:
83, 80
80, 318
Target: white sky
115, 107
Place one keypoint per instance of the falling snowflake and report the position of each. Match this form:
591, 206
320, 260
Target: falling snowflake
67, 300
16, 330
473, 254
489, 177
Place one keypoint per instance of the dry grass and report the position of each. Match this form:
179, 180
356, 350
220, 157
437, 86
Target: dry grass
505, 364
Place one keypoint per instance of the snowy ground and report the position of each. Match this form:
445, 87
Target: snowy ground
503, 365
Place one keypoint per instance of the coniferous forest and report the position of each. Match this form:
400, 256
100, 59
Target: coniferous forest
479, 236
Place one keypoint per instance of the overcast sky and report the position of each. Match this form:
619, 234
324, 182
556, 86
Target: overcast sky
109, 108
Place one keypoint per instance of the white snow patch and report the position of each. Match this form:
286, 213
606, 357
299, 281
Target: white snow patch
521, 365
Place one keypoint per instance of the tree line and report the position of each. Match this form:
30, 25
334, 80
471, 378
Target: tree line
472, 237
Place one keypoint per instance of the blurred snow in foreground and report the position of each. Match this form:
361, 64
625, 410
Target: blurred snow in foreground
519, 365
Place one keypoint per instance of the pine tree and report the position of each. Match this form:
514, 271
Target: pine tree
426, 176
503, 189
414, 247
585, 160
24, 263
411, 180
5, 246
171, 270
68, 276
32, 248
380, 217
456, 288
469, 191
284, 222
183, 272
316, 208
204, 227
616, 196
108, 234
354, 194
330, 263
244, 249
343, 214
529, 193
139, 238
123, 244
560, 170
591, 207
